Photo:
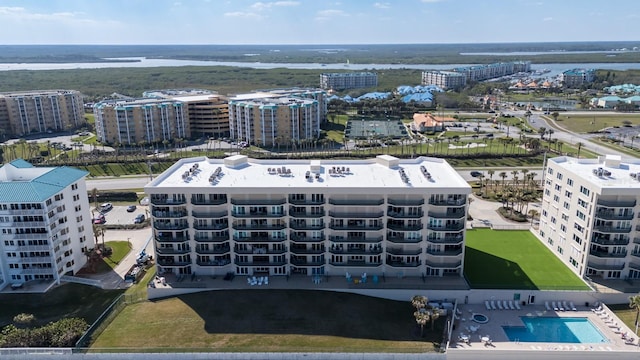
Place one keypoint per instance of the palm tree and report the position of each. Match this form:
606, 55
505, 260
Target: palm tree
419, 301
634, 303
524, 176
579, 148
422, 317
533, 213
542, 130
490, 172
94, 195
503, 175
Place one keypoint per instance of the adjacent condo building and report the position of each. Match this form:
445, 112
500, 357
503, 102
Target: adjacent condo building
578, 77
319, 217
32, 112
45, 224
444, 79
348, 80
589, 216
492, 71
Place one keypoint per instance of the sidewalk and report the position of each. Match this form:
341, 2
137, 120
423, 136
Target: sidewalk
485, 214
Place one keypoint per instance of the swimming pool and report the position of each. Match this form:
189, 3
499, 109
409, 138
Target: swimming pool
555, 330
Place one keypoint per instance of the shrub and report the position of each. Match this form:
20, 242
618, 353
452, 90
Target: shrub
24, 319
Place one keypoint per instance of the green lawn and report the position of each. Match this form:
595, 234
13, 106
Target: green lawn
590, 123
514, 260
120, 250
269, 321
625, 313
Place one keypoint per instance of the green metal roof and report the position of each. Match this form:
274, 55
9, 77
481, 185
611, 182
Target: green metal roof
40, 188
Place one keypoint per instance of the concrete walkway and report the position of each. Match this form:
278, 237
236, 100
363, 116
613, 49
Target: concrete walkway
485, 214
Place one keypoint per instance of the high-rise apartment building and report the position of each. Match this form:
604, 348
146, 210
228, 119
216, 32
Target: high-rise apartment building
45, 224
319, 217
348, 80
589, 215
578, 77
444, 79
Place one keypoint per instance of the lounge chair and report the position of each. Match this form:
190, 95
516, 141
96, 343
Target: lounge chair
572, 307
511, 306
546, 305
555, 308
493, 305
486, 304
566, 306
517, 304
504, 303
560, 306
499, 304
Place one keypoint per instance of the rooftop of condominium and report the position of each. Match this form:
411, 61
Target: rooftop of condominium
22, 182
384, 171
606, 172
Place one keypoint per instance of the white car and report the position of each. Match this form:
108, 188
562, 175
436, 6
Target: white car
106, 207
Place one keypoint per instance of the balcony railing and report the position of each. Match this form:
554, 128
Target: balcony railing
459, 202
405, 215
248, 239
636, 253
172, 251
403, 227
210, 226
604, 241
617, 203
356, 251
404, 264
209, 214
355, 215
606, 267
195, 201
168, 201
445, 240
606, 254
355, 239
172, 239
259, 263
213, 239
400, 251
172, 262
447, 215
222, 262
259, 226
406, 202
356, 202
163, 226
356, 227
256, 202
443, 265
305, 226
612, 229
356, 263
258, 214
260, 251
306, 201
451, 227
307, 262
169, 214
306, 239
635, 266
403, 240
214, 250
610, 215
445, 252
306, 214
307, 251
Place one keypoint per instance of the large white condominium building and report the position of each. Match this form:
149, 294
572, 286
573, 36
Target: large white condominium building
444, 79
45, 224
319, 217
31, 112
589, 215
348, 80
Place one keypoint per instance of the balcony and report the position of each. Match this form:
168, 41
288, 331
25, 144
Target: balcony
259, 239
414, 202
202, 201
356, 202
611, 229
443, 265
636, 253
172, 251
260, 250
402, 264
355, 239
306, 262
259, 226
455, 215
257, 214
400, 251
447, 239
212, 239
167, 201
357, 251
305, 214
168, 214
356, 227
450, 227
617, 203
403, 240
611, 215
403, 227
209, 214
608, 242
356, 263
221, 249
305, 226
306, 239
172, 262
456, 252
164, 226
306, 201
352, 215
306, 251
605, 267
259, 263
405, 215
255, 202
635, 266
210, 226
636, 240
172, 239
221, 262
606, 254
458, 202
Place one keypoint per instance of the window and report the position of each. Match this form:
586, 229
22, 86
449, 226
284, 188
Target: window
550, 171
578, 227
558, 187
577, 239
573, 262
544, 213
567, 194
584, 190
580, 215
560, 250
74, 187
565, 217
547, 192
569, 181
566, 205
550, 241
563, 228
556, 198
553, 220
582, 203
559, 176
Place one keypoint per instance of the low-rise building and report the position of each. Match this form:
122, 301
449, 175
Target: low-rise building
45, 224
311, 217
348, 80
429, 122
577, 77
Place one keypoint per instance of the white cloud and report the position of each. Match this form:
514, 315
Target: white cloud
548, 18
267, 5
68, 18
382, 5
242, 14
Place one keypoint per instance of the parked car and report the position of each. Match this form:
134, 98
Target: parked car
99, 219
475, 173
131, 208
139, 219
106, 207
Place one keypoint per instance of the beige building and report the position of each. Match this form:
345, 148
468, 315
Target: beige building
31, 112
149, 120
444, 79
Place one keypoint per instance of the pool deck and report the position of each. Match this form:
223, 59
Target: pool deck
611, 328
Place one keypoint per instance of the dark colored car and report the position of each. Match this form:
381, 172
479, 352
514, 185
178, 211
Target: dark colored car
139, 219
475, 173
131, 208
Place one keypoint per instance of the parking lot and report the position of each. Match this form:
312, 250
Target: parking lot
119, 215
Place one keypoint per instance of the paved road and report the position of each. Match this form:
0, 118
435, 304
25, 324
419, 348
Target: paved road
118, 183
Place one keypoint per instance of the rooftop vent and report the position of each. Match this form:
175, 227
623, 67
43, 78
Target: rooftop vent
215, 176
424, 171
404, 176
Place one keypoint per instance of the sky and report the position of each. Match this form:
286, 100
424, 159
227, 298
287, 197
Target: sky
315, 21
